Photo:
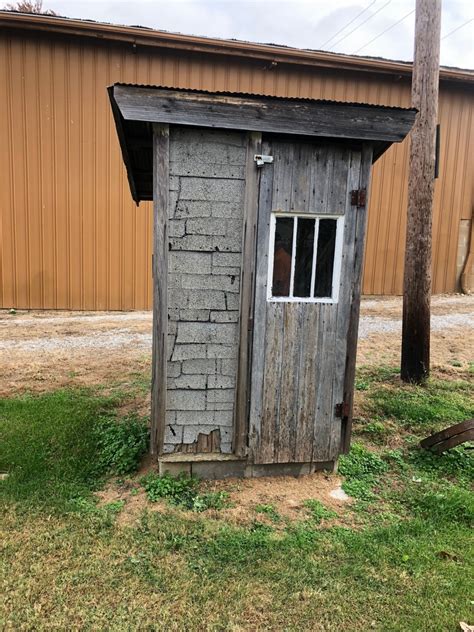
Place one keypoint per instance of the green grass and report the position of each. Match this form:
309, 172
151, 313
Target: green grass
402, 561
57, 447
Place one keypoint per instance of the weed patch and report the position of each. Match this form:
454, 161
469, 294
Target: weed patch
362, 469
318, 511
183, 491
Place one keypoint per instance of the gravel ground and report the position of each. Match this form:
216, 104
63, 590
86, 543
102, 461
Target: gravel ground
42, 350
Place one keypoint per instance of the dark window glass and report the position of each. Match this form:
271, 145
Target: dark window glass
304, 257
282, 256
325, 258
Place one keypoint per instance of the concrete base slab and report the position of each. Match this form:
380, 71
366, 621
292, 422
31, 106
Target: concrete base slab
219, 466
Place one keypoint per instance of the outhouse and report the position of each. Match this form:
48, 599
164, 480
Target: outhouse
260, 212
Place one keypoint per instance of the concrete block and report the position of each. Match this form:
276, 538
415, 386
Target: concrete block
210, 282
229, 271
227, 244
198, 366
194, 382
195, 418
191, 208
220, 381
178, 298
174, 468
200, 243
210, 189
173, 434
206, 226
226, 259
228, 209
212, 470
190, 432
232, 301
206, 332
177, 227
188, 352
190, 262
228, 366
186, 400
219, 406
224, 317
173, 369
222, 351
220, 395
201, 315
205, 299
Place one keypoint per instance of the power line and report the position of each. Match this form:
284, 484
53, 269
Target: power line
383, 32
348, 24
457, 29
361, 24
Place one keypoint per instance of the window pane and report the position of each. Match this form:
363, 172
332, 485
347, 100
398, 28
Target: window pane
304, 257
282, 256
325, 258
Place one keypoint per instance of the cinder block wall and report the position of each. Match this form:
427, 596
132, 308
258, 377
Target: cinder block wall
205, 228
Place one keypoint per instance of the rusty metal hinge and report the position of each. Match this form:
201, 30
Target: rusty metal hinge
342, 410
359, 198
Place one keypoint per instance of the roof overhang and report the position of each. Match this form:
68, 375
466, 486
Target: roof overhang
272, 54
136, 108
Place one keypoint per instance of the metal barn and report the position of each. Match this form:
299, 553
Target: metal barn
260, 211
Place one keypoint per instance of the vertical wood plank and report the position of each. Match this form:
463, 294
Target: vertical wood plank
292, 341
353, 328
260, 307
306, 400
345, 298
247, 285
160, 284
272, 393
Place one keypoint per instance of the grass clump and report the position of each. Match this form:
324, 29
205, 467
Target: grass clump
58, 447
418, 407
318, 511
121, 444
183, 491
268, 510
362, 469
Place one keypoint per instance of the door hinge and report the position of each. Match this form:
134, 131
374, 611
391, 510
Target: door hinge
250, 324
342, 410
359, 198
260, 159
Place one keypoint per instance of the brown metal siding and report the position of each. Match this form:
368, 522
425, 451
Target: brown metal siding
71, 237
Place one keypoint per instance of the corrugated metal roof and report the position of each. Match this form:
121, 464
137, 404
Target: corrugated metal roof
269, 97
278, 53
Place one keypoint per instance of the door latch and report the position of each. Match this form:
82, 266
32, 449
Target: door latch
342, 410
260, 159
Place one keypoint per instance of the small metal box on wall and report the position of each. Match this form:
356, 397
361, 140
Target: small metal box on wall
259, 226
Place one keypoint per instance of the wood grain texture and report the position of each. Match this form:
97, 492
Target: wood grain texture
259, 316
260, 114
356, 282
247, 292
160, 285
415, 363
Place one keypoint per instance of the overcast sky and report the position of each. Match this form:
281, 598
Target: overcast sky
337, 25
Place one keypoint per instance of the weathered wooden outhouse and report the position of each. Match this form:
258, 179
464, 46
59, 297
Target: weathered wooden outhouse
259, 224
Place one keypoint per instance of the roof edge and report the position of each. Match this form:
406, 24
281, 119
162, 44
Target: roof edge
163, 39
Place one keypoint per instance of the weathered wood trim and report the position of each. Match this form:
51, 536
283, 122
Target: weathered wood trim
161, 178
263, 114
351, 354
247, 292
265, 192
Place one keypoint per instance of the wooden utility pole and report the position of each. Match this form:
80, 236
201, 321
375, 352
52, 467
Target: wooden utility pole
417, 279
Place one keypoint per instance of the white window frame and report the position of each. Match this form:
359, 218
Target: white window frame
336, 272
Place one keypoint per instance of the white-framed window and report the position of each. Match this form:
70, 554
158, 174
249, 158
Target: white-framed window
305, 253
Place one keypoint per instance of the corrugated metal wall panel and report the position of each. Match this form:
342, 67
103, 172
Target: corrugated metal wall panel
71, 237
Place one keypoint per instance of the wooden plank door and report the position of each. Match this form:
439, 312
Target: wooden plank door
305, 266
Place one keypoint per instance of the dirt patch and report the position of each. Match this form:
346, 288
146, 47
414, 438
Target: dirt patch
286, 495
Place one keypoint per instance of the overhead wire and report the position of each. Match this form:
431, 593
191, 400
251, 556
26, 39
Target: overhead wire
384, 31
361, 24
348, 24
457, 28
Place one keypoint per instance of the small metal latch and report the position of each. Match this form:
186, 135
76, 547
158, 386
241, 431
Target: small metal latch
260, 159
359, 198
